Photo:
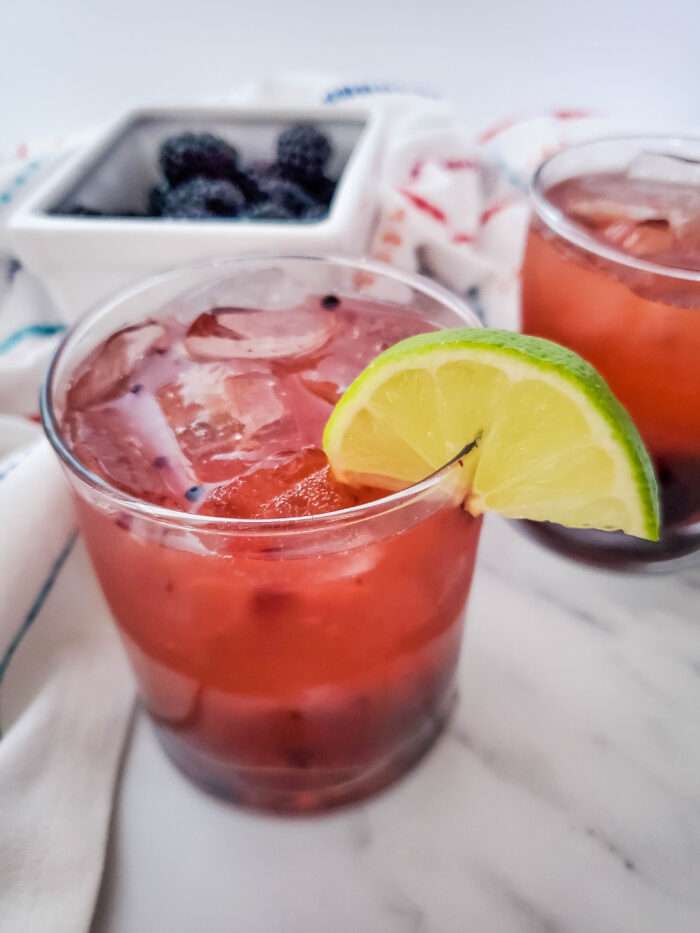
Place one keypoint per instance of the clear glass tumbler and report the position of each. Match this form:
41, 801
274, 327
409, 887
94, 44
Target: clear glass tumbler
286, 664
612, 270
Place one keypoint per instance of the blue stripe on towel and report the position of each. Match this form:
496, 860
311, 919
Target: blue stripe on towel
38, 603
348, 91
20, 179
31, 330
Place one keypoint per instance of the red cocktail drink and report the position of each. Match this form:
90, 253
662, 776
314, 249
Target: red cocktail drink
612, 270
294, 639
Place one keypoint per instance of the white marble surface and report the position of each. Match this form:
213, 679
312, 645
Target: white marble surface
564, 798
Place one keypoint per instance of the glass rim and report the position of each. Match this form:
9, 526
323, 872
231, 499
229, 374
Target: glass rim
569, 230
176, 518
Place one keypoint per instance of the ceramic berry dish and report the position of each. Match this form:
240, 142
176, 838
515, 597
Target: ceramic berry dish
171, 186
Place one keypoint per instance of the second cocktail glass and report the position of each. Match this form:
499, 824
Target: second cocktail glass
612, 270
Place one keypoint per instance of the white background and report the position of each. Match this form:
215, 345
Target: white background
68, 63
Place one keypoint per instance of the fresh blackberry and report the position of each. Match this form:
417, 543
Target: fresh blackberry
322, 189
268, 210
248, 180
156, 198
287, 194
203, 198
315, 213
191, 154
302, 152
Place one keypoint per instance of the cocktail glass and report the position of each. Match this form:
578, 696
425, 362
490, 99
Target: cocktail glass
612, 270
293, 663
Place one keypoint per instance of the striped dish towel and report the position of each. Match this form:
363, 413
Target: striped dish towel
454, 203
65, 694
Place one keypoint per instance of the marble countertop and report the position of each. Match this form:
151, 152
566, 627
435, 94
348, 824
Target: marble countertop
563, 798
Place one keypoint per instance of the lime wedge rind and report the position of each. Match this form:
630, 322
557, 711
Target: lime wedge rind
526, 360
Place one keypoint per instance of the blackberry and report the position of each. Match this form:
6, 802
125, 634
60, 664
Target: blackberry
322, 189
203, 198
268, 210
286, 194
315, 213
156, 198
302, 152
191, 154
248, 180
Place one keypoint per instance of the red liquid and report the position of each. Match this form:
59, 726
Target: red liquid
284, 671
641, 330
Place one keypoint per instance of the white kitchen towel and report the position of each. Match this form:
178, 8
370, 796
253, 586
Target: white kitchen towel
65, 694
65, 700
451, 203
454, 203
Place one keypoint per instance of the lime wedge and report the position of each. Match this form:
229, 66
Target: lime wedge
554, 444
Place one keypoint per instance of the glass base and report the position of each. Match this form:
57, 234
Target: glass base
300, 790
614, 551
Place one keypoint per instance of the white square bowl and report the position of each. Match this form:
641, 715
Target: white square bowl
82, 260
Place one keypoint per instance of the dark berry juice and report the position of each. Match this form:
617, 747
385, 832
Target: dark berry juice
639, 327
292, 664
